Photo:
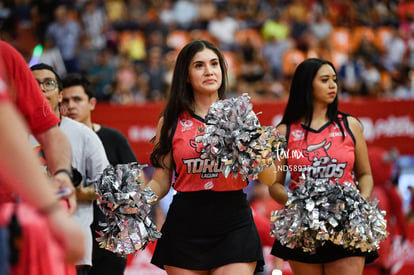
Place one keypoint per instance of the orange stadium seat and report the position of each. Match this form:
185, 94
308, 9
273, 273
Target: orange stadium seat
381, 35
254, 35
358, 33
341, 39
292, 58
177, 39
203, 34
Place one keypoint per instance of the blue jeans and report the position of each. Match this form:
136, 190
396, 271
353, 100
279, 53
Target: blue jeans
4, 251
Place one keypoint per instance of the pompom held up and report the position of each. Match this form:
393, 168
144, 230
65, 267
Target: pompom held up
233, 135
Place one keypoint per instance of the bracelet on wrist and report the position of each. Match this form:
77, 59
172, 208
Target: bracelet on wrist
66, 171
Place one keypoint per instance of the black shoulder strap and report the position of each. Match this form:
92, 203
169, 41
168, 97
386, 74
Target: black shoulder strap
344, 118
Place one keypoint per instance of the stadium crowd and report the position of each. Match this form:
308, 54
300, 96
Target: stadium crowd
128, 47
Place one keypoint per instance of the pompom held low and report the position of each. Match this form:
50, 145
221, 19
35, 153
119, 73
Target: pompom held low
127, 208
320, 210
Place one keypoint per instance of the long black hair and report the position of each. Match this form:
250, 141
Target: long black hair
181, 96
300, 102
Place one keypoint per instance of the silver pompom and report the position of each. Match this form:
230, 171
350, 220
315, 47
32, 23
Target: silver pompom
127, 208
233, 135
320, 210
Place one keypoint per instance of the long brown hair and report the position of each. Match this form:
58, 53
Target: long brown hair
181, 96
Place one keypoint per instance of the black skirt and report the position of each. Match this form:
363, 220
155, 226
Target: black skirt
206, 229
329, 252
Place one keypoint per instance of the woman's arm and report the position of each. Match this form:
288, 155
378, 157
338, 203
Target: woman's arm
362, 167
268, 175
277, 190
160, 182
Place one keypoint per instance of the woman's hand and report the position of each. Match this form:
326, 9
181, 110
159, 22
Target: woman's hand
278, 193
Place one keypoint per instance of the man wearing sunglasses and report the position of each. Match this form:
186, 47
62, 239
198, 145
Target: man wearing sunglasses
88, 156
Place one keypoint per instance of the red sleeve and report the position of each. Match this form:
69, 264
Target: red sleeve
26, 91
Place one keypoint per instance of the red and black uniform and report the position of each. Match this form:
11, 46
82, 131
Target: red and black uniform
209, 222
194, 173
324, 153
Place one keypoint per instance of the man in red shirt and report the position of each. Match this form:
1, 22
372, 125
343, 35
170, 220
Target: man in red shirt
20, 173
43, 123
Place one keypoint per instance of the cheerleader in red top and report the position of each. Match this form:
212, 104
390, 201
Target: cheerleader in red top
322, 142
209, 228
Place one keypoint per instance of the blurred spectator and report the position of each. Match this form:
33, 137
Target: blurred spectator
133, 27
371, 79
79, 102
124, 86
394, 52
102, 74
156, 39
132, 45
185, 13
401, 80
206, 10
273, 51
66, 32
51, 55
223, 28
321, 28
384, 13
137, 14
94, 21
368, 50
350, 76
252, 69
276, 26
273, 88
86, 55
42, 14
297, 12
116, 12
5, 11
410, 50
166, 13
154, 71
340, 12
